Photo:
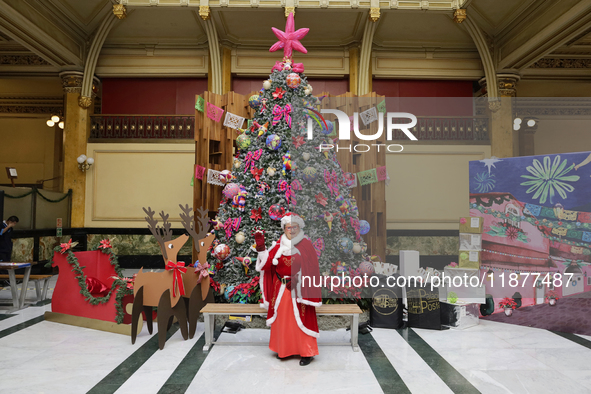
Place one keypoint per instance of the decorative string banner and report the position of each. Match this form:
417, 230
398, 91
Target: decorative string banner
233, 121
200, 104
382, 173
367, 177
213, 177
382, 106
214, 112
369, 116
199, 171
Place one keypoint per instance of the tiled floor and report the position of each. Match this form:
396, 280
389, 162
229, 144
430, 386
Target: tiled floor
45, 357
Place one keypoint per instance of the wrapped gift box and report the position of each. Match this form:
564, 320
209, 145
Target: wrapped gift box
471, 225
469, 259
459, 316
470, 242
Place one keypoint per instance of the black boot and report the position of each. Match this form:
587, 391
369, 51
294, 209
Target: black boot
305, 361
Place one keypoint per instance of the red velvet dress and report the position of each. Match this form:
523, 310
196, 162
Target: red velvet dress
292, 312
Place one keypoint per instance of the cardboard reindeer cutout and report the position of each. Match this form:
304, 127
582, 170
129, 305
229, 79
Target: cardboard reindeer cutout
197, 281
161, 289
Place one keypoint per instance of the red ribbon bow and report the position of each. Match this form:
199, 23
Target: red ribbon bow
66, 246
177, 280
251, 157
331, 181
289, 190
279, 112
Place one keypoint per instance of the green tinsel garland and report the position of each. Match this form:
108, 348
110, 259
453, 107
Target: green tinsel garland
122, 289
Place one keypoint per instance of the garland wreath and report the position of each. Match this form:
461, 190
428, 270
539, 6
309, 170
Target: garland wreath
120, 285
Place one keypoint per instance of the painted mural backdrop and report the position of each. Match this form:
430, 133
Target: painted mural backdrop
536, 239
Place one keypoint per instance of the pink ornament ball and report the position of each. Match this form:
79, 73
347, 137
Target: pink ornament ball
231, 190
221, 252
366, 268
293, 80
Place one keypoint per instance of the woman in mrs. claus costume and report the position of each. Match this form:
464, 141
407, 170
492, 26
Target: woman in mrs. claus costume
292, 312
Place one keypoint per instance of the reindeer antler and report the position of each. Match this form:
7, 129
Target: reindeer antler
155, 230
189, 223
166, 231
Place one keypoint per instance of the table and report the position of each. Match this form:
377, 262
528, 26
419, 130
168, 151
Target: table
17, 301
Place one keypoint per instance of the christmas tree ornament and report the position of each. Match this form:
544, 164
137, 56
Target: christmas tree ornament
289, 39
287, 165
328, 129
346, 245
225, 176
366, 268
293, 80
262, 129
271, 171
309, 174
356, 248
278, 93
306, 156
320, 199
328, 218
276, 212
237, 163
307, 92
280, 112
309, 87
254, 101
240, 237
273, 142
363, 247
267, 84
221, 252
231, 190
364, 227
243, 142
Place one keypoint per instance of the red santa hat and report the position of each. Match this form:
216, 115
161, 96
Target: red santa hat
292, 218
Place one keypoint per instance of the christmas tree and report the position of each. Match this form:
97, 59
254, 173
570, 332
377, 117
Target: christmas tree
277, 169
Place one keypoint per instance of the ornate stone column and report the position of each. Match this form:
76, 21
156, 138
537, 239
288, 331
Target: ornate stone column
503, 139
76, 133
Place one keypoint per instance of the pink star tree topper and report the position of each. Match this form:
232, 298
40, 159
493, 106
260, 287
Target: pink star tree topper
289, 39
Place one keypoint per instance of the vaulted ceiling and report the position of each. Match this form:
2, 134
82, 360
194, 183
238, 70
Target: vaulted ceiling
534, 37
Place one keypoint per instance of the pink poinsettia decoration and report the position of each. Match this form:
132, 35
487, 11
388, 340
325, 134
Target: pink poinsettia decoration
463, 221
66, 246
105, 244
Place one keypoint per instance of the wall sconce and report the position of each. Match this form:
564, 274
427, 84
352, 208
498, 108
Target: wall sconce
55, 119
84, 162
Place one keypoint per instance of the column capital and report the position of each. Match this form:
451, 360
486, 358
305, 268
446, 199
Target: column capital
374, 14
119, 11
460, 15
72, 81
204, 12
508, 84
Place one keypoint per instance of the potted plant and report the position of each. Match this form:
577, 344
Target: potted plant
508, 304
551, 297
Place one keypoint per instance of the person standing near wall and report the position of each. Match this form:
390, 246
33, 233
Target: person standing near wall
6, 238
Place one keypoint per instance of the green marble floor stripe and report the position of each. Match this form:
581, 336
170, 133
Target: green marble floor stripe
450, 376
21, 326
183, 375
387, 377
575, 338
123, 371
6, 316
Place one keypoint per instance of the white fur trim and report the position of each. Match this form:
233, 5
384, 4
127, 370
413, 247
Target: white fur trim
296, 313
265, 303
281, 290
306, 302
293, 218
261, 260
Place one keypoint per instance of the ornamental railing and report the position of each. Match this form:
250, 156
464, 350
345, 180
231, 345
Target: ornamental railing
441, 128
428, 128
142, 127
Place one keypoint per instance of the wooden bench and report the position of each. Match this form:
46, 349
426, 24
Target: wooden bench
210, 310
41, 294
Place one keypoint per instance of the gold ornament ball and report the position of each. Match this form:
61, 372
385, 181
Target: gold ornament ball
237, 164
267, 84
271, 171
309, 87
240, 238
306, 156
307, 92
356, 248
